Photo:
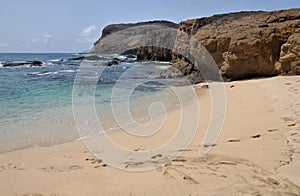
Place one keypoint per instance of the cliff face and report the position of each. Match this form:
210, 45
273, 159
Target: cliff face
243, 44
110, 29
250, 44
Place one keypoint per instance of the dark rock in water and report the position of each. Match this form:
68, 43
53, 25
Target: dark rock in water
17, 64
90, 58
94, 58
8, 64
75, 59
113, 62
116, 61
35, 63
130, 52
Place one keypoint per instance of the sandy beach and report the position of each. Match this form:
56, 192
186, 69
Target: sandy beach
257, 153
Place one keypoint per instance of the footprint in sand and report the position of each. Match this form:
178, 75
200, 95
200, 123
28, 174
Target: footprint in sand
140, 148
224, 169
209, 145
61, 169
292, 124
234, 140
184, 150
178, 159
174, 173
286, 119
167, 174
239, 140
272, 130
294, 134
97, 162
256, 136
190, 179
33, 194
156, 156
11, 166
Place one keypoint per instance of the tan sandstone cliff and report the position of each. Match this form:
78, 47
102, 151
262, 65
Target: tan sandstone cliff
250, 44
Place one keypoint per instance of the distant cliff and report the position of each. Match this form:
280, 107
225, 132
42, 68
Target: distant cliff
113, 28
243, 44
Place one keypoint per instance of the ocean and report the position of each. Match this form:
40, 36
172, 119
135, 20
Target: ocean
37, 102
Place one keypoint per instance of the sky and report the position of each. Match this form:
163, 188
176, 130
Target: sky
73, 25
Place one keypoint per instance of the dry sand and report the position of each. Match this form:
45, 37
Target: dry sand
257, 153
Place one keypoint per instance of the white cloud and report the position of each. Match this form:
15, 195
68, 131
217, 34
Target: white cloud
88, 31
47, 36
88, 35
44, 38
3, 44
34, 40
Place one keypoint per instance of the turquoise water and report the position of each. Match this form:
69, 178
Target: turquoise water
36, 102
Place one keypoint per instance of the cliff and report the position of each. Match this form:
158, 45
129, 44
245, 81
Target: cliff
113, 28
250, 44
243, 44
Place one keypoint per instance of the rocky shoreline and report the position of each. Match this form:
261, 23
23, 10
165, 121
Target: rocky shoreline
243, 44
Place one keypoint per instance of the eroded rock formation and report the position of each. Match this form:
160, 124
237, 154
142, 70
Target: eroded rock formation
250, 44
243, 44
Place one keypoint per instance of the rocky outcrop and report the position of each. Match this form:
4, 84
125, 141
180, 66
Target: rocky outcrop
250, 44
26, 63
89, 58
289, 60
243, 44
152, 53
110, 29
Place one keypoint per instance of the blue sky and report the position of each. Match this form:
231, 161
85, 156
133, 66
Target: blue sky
73, 26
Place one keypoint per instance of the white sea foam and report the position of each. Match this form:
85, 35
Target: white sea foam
47, 73
45, 64
32, 73
121, 57
67, 71
55, 60
90, 77
42, 73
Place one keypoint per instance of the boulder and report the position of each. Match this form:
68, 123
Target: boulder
28, 63
89, 58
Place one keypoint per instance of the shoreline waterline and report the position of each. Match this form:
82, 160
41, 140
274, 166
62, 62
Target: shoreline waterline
37, 101
116, 128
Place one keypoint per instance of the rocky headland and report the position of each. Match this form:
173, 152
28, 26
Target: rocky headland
243, 44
